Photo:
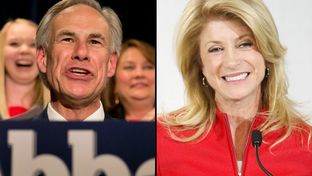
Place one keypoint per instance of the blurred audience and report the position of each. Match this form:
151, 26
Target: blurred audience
22, 92
130, 94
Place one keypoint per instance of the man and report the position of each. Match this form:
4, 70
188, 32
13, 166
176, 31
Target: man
77, 49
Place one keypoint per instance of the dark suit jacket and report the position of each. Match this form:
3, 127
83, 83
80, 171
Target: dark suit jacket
43, 116
30, 114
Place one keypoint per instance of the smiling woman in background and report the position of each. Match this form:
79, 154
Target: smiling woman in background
131, 92
21, 91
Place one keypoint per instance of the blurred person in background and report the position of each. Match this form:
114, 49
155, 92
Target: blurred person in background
130, 94
22, 91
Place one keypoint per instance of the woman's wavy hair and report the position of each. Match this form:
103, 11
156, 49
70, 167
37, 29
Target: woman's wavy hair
199, 113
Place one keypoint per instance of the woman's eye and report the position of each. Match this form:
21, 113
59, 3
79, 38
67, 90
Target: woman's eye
33, 45
14, 44
246, 45
148, 67
215, 49
128, 67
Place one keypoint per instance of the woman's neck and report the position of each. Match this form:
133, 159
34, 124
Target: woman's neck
240, 115
19, 94
246, 108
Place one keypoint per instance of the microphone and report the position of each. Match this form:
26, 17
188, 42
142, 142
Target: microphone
256, 142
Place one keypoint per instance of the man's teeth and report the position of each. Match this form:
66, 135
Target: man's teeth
236, 78
79, 71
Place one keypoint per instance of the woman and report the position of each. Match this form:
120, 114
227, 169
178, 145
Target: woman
130, 94
22, 92
232, 63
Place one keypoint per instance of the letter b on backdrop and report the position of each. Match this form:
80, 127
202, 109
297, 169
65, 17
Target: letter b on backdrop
25, 161
85, 161
77, 149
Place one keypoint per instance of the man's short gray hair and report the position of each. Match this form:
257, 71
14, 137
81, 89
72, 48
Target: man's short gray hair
43, 36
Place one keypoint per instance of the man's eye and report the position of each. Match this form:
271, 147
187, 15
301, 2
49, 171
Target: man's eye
95, 42
67, 39
215, 49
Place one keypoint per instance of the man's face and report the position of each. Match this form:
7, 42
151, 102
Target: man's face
78, 61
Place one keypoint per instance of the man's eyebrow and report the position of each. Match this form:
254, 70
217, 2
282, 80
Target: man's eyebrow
91, 36
65, 33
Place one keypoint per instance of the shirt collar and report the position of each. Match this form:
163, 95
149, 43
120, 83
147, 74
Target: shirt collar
98, 115
258, 119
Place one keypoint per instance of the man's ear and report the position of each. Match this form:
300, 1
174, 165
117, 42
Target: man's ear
111, 65
41, 59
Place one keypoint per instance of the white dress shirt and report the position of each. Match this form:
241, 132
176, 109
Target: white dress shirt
98, 115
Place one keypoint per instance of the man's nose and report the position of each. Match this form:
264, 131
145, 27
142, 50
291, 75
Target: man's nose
80, 51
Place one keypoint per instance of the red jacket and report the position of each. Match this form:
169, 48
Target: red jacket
214, 155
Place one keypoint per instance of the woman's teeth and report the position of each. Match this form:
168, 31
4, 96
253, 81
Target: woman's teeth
236, 78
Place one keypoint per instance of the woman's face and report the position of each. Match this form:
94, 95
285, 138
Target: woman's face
232, 64
135, 77
19, 53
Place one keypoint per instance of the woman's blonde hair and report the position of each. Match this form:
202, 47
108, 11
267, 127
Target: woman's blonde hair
42, 93
200, 112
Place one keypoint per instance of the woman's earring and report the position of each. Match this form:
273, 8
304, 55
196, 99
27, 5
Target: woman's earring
267, 72
116, 99
204, 82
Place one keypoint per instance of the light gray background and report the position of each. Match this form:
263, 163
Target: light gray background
294, 23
